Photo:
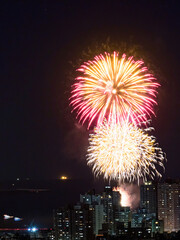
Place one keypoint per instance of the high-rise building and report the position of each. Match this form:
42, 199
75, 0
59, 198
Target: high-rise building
78, 222
124, 216
147, 213
148, 198
63, 223
107, 202
82, 222
74, 223
169, 205
116, 197
90, 199
140, 216
157, 226
99, 218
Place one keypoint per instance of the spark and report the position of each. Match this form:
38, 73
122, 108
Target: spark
109, 86
124, 152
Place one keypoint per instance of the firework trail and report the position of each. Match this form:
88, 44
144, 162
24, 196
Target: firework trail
110, 86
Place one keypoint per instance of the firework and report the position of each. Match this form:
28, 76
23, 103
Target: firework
124, 152
110, 87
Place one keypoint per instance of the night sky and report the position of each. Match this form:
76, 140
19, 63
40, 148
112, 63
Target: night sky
40, 138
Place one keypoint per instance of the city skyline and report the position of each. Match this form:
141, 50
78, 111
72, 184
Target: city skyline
102, 214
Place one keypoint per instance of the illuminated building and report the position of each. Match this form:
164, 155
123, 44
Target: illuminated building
78, 222
146, 216
107, 202
82, 226
89, 198
116, 197
169, 205
74, 223
148, 198
157, 226
63, 223
123, 215
139, 217
99, 218
94, 200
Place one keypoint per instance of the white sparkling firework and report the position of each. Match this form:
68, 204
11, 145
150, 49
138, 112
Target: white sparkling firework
124, 152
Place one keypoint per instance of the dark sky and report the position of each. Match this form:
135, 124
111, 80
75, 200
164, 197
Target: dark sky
39, 136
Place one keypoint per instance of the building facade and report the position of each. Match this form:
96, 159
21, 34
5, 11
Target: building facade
148, 198
169, 205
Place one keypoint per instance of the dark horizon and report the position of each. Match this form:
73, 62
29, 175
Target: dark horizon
34, 201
